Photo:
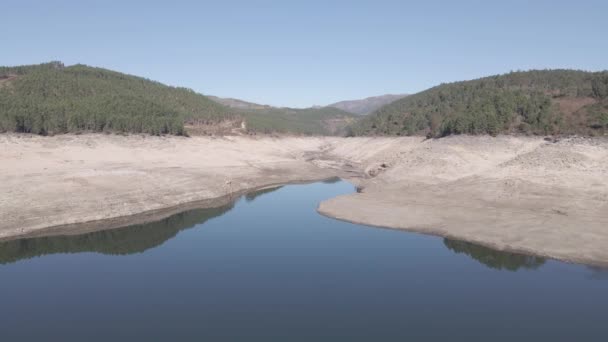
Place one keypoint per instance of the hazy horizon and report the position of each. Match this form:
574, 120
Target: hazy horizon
302, 55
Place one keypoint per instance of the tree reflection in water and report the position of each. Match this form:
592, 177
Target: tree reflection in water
119, 241
253, 195
598, 272
495, 259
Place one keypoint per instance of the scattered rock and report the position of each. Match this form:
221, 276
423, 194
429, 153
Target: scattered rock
560, 212
375, 169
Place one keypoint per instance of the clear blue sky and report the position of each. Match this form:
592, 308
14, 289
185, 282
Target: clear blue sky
303, 53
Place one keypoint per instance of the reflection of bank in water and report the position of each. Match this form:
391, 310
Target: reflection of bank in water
118, 241
499, 260
600, 273
253, 195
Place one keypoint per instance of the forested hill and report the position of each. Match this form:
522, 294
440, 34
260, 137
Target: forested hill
313, 120
51, 98
367, 105
538, 102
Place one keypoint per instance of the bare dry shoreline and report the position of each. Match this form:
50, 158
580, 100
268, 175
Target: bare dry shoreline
510, 193
68, 184
514, 194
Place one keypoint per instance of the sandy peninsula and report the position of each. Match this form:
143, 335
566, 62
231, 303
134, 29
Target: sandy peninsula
548, 198
67, 180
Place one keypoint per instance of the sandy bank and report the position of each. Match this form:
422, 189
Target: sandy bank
68, 180
518, 194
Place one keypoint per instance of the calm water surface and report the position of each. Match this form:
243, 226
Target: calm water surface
270, 268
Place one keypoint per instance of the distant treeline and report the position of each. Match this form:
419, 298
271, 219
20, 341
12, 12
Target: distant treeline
535, 102
309, 121
50, 98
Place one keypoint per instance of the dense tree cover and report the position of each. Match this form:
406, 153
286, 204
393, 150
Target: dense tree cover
327, 120
310, 121
527, 102
50, 98
24, 69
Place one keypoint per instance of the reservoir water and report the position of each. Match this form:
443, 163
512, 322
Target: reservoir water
269, 267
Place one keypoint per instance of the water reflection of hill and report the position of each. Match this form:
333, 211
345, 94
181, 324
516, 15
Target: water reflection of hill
598, 272
253, 195
493, 258
120, 241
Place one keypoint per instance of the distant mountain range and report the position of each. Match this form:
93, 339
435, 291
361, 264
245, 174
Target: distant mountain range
312, 120
332, 119
238, 104
359, 107
367, 105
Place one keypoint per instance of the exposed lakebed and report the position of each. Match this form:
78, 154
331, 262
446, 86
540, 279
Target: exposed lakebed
270, 267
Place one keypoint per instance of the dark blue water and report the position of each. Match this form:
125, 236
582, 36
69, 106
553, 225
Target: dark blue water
270, 268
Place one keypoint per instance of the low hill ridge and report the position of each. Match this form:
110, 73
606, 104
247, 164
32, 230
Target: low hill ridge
537, 101
367, 105
52, 98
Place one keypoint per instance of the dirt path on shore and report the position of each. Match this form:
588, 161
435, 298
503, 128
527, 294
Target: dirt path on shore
510, 193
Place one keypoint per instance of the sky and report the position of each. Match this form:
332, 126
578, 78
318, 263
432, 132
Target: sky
304, 53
